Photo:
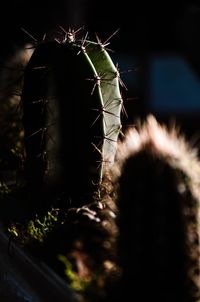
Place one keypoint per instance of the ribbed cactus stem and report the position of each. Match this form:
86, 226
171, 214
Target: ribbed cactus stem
72, 105
112, 100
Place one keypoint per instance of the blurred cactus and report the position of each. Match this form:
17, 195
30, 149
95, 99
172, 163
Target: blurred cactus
11, 130
158, 178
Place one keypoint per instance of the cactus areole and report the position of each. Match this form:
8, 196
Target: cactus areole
71, 115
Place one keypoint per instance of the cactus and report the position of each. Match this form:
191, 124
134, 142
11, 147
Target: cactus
158, 178
111, 96
71, 103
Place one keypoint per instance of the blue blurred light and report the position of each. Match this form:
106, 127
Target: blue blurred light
173, 87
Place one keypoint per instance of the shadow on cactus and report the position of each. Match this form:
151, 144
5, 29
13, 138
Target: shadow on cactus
71, 115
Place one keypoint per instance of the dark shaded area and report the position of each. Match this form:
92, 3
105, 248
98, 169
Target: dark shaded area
74, 163
145, 29
153, 239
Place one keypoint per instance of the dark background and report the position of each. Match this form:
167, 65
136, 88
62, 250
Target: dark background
146, 32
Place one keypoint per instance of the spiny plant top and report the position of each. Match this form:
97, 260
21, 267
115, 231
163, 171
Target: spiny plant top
167, 143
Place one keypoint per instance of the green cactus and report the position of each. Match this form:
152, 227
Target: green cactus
111, 97
71, 103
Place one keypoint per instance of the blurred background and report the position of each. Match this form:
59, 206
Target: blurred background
157, 49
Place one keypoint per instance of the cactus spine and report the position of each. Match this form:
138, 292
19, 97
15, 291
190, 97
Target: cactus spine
72, 104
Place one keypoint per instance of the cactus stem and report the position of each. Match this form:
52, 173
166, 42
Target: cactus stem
111, 113
109, 139
103, 110
87, 61
97, 81
112, 131
115, 103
